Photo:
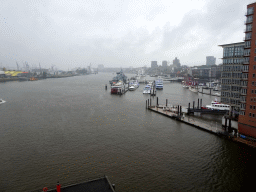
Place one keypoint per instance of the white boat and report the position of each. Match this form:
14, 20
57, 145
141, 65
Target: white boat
133, 85
185, 86
159, 84
147, 89
193, 89
2, 101
215, 105
217, 94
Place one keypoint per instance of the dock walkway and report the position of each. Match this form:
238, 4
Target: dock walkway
172, 113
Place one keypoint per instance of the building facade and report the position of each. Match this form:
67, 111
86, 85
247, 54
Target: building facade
210, 60
231, 75
164, 63
176, 62
247, 117
154, 64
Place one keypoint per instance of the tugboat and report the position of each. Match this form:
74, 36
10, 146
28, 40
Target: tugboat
119, 77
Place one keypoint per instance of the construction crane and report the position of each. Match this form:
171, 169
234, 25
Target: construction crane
17, 66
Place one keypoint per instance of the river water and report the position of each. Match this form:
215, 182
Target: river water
72, 129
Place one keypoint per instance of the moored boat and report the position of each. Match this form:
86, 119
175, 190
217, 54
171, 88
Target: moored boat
118, 88
159, 84
215, 105
147, 89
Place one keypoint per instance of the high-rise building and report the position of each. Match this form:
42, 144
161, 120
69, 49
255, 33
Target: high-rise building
164, 63
247, 117
231, 75
154, 64
210, 60
176, 62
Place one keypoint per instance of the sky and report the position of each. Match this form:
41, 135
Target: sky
116, 33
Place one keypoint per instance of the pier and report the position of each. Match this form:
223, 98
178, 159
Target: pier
178, 113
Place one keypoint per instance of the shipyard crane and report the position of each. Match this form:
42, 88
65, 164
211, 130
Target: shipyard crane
17, 66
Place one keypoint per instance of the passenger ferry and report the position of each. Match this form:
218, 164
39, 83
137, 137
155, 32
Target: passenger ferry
118, 88
215, 105
159, 84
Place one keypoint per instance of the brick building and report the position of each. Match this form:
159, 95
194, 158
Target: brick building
247, 118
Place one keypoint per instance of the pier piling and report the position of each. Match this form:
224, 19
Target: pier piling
166, 102
193, 104
157, 101
106, 87
198, 103
148, 103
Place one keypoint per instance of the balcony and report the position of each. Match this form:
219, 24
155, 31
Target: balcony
245, 70
245, 78
249, 13
243, 94
246, 62
242, 101
247, 46
247, 30
248, 21
247, 38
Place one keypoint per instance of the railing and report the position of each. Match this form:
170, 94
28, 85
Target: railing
249, 13
248, 21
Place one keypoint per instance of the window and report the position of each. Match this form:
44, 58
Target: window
253, 107
253, 115
250, 114
250, 106
254, 67
253, 75
252, 91
252, 83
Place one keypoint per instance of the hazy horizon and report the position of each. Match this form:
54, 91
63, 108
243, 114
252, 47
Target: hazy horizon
116, 33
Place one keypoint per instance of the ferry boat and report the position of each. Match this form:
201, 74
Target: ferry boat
147, 89
159, 84
215, 105
118, 88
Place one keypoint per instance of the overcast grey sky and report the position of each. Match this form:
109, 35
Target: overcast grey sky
117, 33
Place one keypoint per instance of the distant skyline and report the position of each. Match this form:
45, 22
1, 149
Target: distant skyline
70, 34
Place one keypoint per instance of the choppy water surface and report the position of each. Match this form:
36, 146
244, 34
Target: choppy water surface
72, 129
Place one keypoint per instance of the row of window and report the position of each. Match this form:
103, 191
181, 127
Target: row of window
252, 91
234, 61
230, 81
252, 115
230, 95
233, 75
252, 107
233, 51
253, 99
233, 68
249, 19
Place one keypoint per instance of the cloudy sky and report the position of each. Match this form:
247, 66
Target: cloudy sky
115, 33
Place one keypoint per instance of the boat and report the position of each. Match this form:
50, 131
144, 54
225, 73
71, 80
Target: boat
215, 105
119, 77
147, 89
159, 84
193, 89
2, 101
133, 85
118, 88
185, 86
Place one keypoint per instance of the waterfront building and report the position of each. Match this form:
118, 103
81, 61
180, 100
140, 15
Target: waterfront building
231, 75
210, 60
247, 117
154, 64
